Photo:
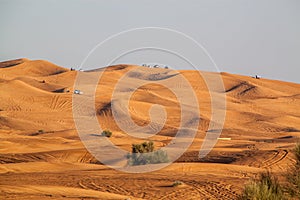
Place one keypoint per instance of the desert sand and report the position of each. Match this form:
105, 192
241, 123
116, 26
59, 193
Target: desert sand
42, 157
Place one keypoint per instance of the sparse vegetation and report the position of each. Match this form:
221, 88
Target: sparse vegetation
293, 175
293, 186
268, 188
106, 133
145, 147
177, 183
297, 155
265, 188
144, 153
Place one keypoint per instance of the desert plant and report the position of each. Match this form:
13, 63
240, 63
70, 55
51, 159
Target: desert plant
145, 147
297, 154
265, 188
177, 183
293, 175
106, 133
293, 185
144, 153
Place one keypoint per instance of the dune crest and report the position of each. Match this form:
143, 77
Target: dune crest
29, 68
11, 63
39, 141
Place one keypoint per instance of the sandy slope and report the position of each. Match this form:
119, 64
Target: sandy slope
41, 156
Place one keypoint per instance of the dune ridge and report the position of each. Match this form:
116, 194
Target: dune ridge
39, 141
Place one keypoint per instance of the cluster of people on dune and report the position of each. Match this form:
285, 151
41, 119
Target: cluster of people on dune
155, 66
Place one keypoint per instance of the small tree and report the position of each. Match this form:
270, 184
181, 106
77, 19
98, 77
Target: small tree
144, 153
106, 133
145, 147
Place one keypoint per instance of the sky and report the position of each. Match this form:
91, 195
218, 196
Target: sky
242, 37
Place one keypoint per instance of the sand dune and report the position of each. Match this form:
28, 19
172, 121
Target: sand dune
42, 157
35, 68
11, 63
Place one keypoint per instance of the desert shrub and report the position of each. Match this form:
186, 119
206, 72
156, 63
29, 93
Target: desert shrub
40, 131
145, 147
293, 175
297, 154
106, 133
265, 188
177, 183
144, 153
293, 185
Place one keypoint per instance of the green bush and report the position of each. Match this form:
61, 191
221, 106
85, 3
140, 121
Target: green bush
145, 147
293, 175
297, 154
293, 186
106, 133
265, 188
177, 183
144, 153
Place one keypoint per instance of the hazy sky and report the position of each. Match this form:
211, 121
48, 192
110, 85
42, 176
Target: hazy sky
243, 37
